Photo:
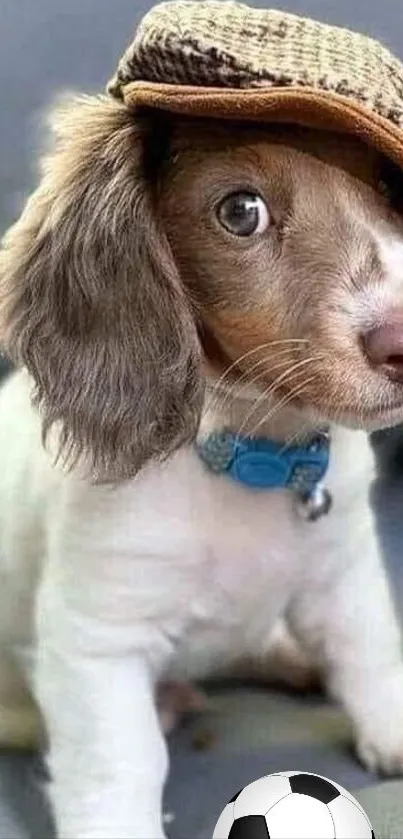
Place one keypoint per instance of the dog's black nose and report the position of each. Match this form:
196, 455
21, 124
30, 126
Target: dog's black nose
384, 347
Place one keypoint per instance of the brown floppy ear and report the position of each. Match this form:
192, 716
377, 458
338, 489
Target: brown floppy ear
91, 300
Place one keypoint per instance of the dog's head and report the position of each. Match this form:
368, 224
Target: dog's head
154, 245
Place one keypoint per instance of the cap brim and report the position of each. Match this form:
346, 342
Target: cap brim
304, 106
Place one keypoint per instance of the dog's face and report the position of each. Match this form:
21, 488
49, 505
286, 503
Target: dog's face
295, 259
153, 245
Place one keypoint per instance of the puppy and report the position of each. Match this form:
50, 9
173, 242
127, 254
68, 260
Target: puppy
170, 279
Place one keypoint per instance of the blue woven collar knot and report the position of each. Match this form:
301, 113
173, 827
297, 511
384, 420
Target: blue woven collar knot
266, 464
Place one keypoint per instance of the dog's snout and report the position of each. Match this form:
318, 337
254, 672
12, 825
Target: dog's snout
384, 346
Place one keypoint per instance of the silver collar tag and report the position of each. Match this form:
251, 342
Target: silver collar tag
312, 505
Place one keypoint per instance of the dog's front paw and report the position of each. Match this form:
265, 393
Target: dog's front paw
380, 732
381, 754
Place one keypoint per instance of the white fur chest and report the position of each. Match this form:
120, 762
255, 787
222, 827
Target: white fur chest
256, 552
194, 564
205, 562
248, 564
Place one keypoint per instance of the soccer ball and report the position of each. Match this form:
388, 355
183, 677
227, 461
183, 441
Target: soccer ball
293, 805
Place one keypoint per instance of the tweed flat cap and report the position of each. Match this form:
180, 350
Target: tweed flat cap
223, 59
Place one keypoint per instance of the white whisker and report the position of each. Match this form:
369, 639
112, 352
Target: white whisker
266, 346
283, 402
248, 381
272, 388
289, 442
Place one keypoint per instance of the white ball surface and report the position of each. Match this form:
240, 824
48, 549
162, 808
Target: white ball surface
300, 817
224, 823
258, 797
349, 819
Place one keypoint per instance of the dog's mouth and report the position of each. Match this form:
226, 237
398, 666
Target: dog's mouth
369, 419
384, 412
339, 387
365, 402
374, 419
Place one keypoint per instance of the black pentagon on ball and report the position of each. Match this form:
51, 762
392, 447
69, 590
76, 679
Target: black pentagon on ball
249, 827
314, 786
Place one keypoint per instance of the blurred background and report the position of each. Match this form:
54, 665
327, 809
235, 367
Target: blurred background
49, 46
52, 45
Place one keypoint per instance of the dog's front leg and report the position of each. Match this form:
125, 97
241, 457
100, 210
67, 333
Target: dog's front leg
107, 755
346, 617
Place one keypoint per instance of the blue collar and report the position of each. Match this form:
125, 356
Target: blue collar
265, 464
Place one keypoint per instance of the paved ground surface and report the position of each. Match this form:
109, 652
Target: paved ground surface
47, 46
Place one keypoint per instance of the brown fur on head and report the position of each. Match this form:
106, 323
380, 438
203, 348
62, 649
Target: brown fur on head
120, 261
289, 306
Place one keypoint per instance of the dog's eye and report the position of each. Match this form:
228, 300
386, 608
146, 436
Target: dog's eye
244, 214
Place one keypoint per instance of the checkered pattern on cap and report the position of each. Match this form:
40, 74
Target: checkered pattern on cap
214, 44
